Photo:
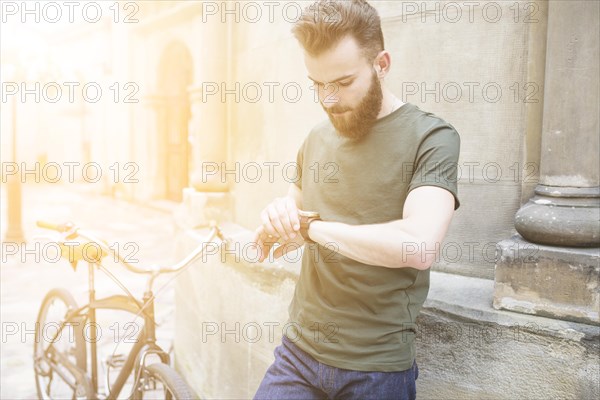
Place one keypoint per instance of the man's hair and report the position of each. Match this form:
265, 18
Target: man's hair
324, 23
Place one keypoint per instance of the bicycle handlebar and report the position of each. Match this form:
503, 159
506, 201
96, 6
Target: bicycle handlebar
73, 231
62, 228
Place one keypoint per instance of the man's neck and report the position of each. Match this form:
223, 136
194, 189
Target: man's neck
389, 104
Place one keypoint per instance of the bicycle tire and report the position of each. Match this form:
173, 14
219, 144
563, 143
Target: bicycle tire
174, 386
73, 349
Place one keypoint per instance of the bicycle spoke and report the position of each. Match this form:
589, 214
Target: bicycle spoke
58, 350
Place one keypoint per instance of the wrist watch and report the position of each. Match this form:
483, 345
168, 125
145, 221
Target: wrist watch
306, 217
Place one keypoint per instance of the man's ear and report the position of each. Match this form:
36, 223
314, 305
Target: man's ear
382, 63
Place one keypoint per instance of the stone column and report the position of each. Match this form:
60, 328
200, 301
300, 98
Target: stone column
208, 198
552, 268
209, 146
153, 152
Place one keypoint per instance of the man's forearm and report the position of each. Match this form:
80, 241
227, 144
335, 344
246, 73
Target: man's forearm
388, 244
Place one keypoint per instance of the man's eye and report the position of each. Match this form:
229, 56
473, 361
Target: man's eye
345, 83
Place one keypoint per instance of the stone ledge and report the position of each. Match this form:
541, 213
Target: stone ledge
457, 296
549, 281
266, 275
471, 299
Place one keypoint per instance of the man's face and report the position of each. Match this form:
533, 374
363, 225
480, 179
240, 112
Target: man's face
349, 89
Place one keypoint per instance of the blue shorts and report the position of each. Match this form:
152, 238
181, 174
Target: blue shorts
296, 375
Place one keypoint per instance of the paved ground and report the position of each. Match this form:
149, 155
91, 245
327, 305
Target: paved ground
26, 277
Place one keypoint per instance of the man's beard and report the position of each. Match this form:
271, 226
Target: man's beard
358, 122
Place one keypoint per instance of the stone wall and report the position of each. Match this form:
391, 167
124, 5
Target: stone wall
473, 360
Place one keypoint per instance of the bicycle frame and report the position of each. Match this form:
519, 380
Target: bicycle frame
145, 342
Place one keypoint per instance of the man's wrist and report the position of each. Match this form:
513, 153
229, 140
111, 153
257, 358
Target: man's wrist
306, 219
314, 229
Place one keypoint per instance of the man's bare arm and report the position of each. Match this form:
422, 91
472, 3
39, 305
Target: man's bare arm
409, 242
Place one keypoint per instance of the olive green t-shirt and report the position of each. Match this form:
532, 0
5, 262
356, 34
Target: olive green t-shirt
345, 313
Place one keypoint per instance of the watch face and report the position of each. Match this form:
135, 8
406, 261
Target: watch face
308, 214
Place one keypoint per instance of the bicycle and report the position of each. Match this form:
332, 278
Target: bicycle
63, 372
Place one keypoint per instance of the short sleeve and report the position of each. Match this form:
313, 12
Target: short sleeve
299, 160
436, 162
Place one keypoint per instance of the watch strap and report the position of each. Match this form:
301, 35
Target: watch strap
306, 218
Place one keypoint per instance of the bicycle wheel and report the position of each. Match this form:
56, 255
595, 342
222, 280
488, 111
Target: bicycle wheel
59, 353
160, 381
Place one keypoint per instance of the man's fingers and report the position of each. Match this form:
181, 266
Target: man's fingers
262, 242
293, 215
257, 234
265, 243
267, 225
276, 222
284, 219
285, 248
265, 248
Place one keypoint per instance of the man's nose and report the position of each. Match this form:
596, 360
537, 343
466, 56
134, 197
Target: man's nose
329, 95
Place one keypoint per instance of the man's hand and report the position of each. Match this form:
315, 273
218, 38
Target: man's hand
280, 219
265, 242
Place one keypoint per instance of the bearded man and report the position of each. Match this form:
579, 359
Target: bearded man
372, 232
